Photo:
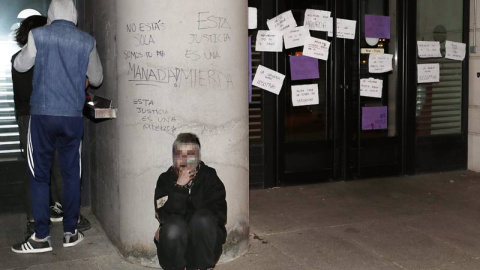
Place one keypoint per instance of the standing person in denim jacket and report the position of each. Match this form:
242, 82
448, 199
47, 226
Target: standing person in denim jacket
22, 90
64, 57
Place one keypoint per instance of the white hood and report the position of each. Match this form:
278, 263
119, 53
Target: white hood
62, 10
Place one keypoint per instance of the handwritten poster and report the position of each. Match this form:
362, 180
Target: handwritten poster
282, 22
316, 48
428, 73
268, 79
377, 26
252, 18
455, 50
345, 28
303, 95
303, 68
374, 118
380, 63
371, 87
317, 20
295, 37
269, 41
428, 49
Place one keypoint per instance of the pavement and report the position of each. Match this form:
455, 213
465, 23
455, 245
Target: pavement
428, 221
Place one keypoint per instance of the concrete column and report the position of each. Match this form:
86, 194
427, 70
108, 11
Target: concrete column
474, 95
171, 66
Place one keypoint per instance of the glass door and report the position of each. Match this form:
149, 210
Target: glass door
307, 140
331, 139
440, 131
377, 145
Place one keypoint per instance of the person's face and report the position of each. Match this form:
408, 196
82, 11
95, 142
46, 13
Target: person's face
185, 155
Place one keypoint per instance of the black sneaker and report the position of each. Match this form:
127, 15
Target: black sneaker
83, 224
31, 227
56, 212
71, 239
32, 246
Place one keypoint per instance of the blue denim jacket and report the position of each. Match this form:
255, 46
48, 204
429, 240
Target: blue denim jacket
60, 69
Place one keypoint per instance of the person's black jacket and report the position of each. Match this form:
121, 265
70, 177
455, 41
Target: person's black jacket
22, 89
207, 192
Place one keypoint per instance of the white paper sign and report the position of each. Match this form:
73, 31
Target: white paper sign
282, 22
345, 28
269, 41
252, 18
268, 79
380, 63
317, 20
316, 48
428, 49
306, 94
455, 50
372, 50
428, 73
295, 37
371, 87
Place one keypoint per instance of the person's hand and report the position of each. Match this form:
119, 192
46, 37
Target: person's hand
185, 176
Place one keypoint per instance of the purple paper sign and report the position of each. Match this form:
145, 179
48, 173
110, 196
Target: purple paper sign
377, 26
374, 118
303, 68
249, 68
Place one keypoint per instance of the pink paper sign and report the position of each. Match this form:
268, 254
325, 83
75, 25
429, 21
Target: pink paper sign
374, 118
303, 68
377, 26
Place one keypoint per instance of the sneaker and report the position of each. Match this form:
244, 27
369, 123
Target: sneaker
31, 227
71, 239
56, 212
32, 246
83, 224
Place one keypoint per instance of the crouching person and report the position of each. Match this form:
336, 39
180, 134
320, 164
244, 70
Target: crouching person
191, 208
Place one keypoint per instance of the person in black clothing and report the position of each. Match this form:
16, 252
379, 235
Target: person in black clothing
191, 208
22, 90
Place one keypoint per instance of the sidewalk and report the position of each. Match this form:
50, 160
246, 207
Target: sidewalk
418, 222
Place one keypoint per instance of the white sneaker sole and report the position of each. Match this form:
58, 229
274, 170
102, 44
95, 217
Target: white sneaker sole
36, 250
56, 219
80, 239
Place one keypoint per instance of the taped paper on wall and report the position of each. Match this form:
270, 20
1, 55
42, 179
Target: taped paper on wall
252, 18
371, 87
316, 48
455, 50
303, 95
303, 68
374, 118
380, 63
428, 73
282, 22
428, 49
268, 79
269, 41
295, 37
345, 28
377, 26
317, 20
